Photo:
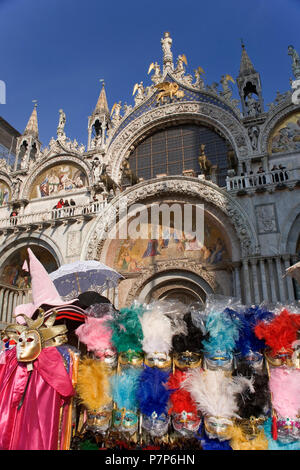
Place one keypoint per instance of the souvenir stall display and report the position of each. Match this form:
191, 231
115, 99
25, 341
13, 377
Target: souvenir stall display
162, 376
281, 337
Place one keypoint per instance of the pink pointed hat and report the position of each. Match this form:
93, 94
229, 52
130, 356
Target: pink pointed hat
43, 289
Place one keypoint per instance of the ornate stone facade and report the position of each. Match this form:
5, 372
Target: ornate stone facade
251, 213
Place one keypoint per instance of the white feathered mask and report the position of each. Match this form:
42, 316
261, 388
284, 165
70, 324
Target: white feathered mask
160, 323
215, 392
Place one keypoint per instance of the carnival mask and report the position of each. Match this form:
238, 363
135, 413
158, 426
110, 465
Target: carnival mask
288, 429
158, 359
155, 425
282, 358
125, 420
187, 359
29, 346
217, 427
100, 420
218, 360
186, 422
35, 335
109, 356
130, 357
255, 360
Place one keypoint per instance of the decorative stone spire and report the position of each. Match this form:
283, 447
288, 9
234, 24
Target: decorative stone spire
28, 145
246, 67
99, 122
102, 106
32, 125
249, 84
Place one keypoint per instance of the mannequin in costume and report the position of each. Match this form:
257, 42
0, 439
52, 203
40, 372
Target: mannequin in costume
36, 390
36, 387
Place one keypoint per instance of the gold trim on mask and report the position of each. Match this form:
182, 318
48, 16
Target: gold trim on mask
49, 335
167, 363
279, 361
190, 365
136, 360
250, 426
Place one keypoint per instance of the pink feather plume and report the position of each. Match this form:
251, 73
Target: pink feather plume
95, 333
285, 387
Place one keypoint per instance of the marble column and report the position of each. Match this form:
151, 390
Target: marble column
256, 295
288, 280
247, 289
280, 279
272, 280
263, 280
237, 282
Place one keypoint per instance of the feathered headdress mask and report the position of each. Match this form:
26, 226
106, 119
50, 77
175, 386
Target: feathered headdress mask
159, 323
124, 388
215, 392
223, 329
192, 341
93, 384
248, 342
280, 332
95, 333
180, 398
152, 392
127, 333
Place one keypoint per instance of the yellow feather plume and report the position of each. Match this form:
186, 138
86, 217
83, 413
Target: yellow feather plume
239, 440
93, 384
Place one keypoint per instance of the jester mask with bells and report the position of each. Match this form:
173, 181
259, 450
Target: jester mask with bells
36, 335
215, 393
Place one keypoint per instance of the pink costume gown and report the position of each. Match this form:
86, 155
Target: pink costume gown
40, 421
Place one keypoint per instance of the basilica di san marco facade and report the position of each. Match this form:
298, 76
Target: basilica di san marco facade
200, 331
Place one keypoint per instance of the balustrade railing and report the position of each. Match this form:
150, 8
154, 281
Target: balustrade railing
53, 215
275, 177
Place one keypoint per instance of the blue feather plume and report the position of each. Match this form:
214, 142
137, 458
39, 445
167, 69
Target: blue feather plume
152, 394
248, 341
124, 387
223, 329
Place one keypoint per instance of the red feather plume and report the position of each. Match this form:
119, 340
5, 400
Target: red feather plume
280, 332
180, 399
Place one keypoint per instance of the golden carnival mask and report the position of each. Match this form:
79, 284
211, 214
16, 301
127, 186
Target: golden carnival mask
36, 335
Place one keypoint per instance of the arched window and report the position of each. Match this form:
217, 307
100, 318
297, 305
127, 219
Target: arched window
176, 149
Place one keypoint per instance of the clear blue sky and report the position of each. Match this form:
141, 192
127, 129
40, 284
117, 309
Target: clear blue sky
56, 51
